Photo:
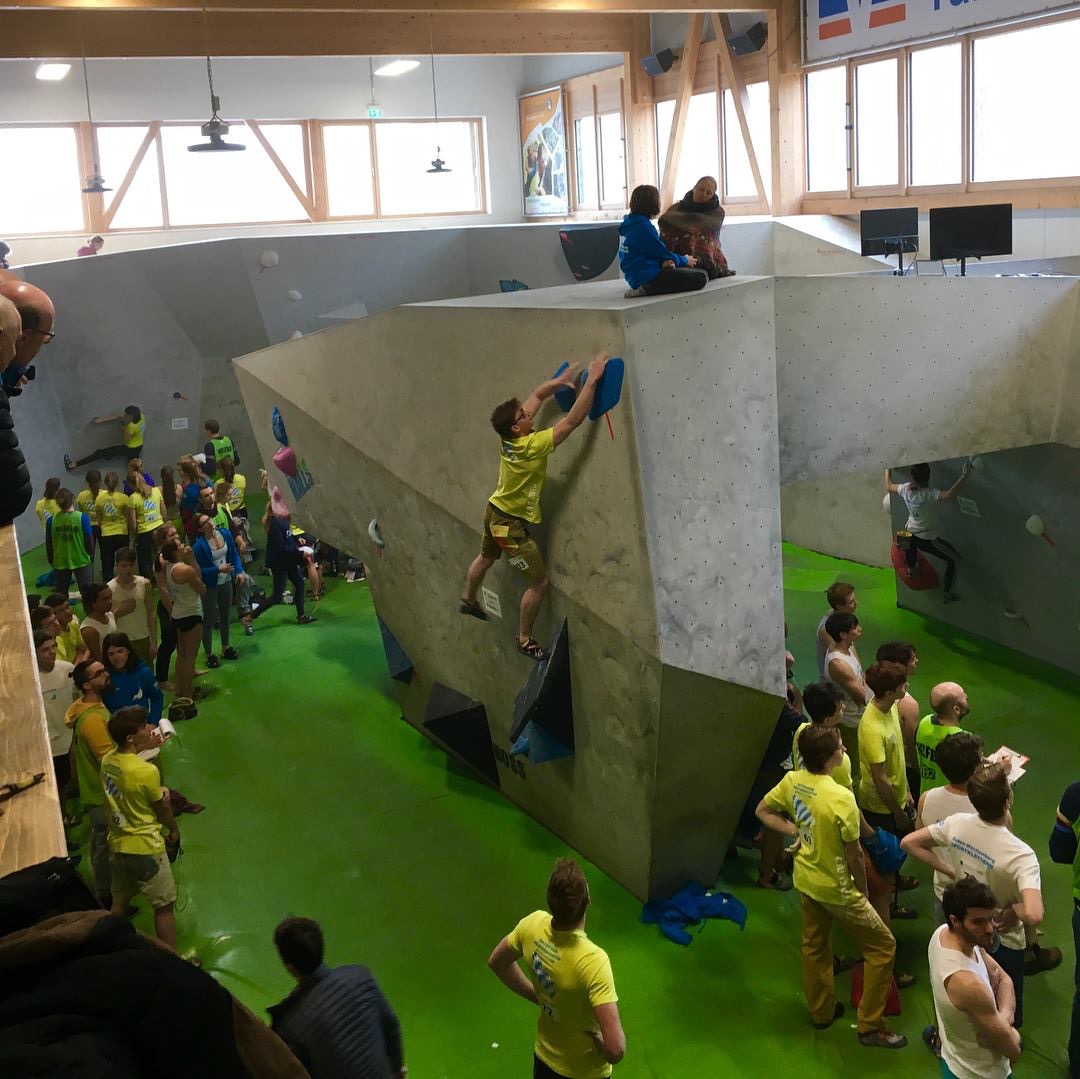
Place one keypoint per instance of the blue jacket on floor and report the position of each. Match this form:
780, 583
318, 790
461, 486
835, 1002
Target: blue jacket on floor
689, 906
137, 687
641, 252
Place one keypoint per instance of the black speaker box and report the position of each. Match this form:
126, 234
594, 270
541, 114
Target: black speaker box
751, 41
659, 62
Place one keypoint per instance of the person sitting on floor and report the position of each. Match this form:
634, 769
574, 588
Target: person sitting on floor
692, 227
649, 267
337, 1020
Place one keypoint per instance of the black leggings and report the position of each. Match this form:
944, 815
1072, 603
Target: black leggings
129, 453
109, 546
281, 574
167, 645
918, 544
145, 548
679, 279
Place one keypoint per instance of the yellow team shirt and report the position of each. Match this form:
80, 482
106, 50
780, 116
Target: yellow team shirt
68, 641
237, 492
881, 742
133, 433
86, 502
841, 773
112, 509
827, 817
572, 976
45, 508
147, 510
132, 785
522, 471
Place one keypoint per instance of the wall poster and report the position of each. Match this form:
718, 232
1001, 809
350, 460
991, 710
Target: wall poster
543, 153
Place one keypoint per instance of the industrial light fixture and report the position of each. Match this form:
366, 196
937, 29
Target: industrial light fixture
93, 184
437, 163
52, 72
392, 68
215, 128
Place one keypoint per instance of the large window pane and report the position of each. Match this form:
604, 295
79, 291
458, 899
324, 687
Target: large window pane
221, 188
585, 168
287, 141
738, 176
406, 151
877, 137
44, 197
141, 208
826, 134
936, 115
1021, 85
701, 141
612, 160
349, 184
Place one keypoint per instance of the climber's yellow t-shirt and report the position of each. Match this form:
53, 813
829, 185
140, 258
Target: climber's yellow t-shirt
112, 508
522, 471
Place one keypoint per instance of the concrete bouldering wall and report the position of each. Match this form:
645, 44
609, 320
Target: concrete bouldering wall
425, 468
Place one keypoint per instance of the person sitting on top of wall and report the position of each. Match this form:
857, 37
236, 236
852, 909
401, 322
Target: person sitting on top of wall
649, 267
692, 225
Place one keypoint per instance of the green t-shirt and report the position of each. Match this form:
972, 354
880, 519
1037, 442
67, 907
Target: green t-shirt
827, 818
928, 737
68, 541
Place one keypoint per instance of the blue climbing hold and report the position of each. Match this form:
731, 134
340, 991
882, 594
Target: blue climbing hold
277, 425
608, 389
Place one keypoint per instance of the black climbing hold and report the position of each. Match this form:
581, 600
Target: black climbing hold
589, 249
397, 660
460, 724
545, 699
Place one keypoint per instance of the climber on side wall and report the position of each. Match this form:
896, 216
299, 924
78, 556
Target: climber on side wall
516, 501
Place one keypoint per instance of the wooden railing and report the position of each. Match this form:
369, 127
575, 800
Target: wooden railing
31, 828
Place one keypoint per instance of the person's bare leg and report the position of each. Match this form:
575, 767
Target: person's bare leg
530, 607
474, 578
165, 925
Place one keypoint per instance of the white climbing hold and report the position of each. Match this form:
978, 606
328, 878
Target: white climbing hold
374, 534
295, 294
1034, 524
268, 260
295, 335
886, 502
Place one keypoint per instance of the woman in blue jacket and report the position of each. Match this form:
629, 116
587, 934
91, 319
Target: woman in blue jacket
219, 563
133, 682
649, 267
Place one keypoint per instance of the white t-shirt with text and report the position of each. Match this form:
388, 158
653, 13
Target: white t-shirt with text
921, 503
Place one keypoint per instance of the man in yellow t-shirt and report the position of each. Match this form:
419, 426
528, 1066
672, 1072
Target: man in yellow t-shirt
516, 501
809, 805
237, 482
70, 645
578, 1032
138, 809
883, 786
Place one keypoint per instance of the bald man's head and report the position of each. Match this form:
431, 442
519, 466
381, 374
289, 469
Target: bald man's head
949, 702
10, 329
38, 315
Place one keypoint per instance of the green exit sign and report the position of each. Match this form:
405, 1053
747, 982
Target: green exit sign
374, 112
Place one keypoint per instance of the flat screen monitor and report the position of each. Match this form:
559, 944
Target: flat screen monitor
888, 232
969, 232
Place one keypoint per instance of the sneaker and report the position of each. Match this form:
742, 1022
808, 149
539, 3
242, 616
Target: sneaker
69, 464
1038, 959
882, 1039
249, 630
230, 653
634, 293
306, 620
213, 662
286, 597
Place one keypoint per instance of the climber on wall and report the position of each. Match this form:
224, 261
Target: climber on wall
516, 501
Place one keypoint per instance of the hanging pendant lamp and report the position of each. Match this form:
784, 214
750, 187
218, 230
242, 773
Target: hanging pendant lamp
437, 164
215, 128
93, 184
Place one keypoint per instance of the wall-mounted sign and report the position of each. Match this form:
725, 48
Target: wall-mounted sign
543, 153
179, 423
842, 27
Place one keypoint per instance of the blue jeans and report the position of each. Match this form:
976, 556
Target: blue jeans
1074, 1036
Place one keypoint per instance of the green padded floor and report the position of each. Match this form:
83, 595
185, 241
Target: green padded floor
321, 802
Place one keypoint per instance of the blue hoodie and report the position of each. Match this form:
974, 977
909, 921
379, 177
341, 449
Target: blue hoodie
641, 254
135, 687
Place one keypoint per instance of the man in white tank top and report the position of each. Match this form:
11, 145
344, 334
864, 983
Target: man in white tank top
973, 996
841, 597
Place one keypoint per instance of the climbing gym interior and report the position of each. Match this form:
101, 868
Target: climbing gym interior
526, 383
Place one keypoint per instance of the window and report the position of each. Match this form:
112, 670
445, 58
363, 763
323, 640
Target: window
936, 115
223, 188
826, 133
349, 181
405, 152
612, 160
701, 142
141, 205
44, 198
1020, 82
877, 133
585, 167
739, 178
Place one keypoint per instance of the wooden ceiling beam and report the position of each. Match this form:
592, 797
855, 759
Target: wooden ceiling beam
404, 7
57, 34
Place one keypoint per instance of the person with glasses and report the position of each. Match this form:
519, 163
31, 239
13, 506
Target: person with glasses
132, 431
37, 314
515, 505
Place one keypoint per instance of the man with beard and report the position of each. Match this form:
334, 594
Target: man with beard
950, 705
88, 719
973, 996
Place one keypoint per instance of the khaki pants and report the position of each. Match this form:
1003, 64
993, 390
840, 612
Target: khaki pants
878, 946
